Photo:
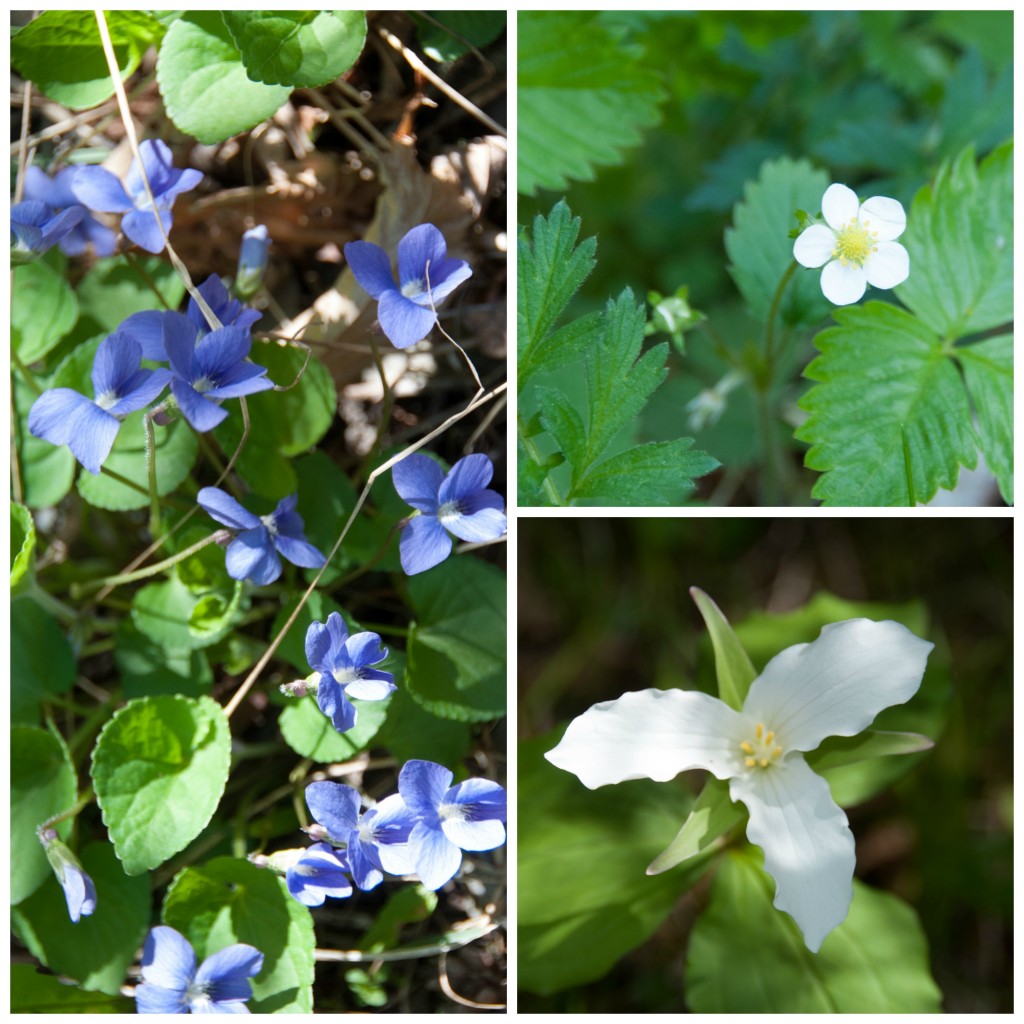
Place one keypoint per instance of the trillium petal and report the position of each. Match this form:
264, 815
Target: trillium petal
886, 217
167, 959
469, 475
807, 842
843, 285
423, 545
371, 266
839, 206
402, 320
651, 734
889, 266
814, 246
437, 858
836, 685
417, 480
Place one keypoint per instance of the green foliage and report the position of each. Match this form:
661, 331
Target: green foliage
159, 769
148, 669
988, 374
587, 426
713, 814
32, 992
98, 950
23, 547
60, 51
580, 103
732, 665
297, 48
448, 35
42, 785
309, 732
46, 473
42, 663
875, 962
177, 619
456, 652
883, 360
45, 311
759, 246
227, 900
584, 897
114, 289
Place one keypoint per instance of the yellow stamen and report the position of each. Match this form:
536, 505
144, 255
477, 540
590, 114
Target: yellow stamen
750, 762
760, 730
776, 751
746, 747
764, 762
769, 737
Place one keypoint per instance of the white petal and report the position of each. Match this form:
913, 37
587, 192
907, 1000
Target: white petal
814, 246
807, 842
884, 216
651, 734
839, 206
836, 685
843, 285
889, 266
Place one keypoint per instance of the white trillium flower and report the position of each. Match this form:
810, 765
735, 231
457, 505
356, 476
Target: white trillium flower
855, 245
834, 686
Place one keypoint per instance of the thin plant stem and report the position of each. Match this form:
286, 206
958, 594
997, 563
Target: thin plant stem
154, 497
769, 336
387, 403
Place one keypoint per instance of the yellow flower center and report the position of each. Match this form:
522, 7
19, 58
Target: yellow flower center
855, 243
762, 749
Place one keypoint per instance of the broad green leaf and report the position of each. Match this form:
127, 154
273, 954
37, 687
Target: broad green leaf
551, 268
456, 653
283, 423
42, 785
147, 669
204, 83
988, 373
960, 239
309, 732
99, 949
42, 662
159, 768
43, 310
32, 992
582, 100
297, 48
46, 472
226, 901
114, 289
876, 961
844, 750
713, 814
449, 34
292, 648
173, 617
406, 906
732, 663
175, 452
23, 547
882, 359
585, 898
61, 52
412, 732
759, 246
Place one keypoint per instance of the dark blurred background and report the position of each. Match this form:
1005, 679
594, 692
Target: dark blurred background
604, 608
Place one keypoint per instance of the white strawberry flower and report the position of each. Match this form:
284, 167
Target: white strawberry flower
834, 686
855, 245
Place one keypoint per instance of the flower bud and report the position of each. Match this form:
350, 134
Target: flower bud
252, 262
79, 890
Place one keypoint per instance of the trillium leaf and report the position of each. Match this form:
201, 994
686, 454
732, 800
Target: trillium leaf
712, 816
580, 103
199, 65
297, 48
960, 239
98, 950
759, 246
732, 664
159, 768
988, 373
882, 359
842, 750
228, 900
881, 940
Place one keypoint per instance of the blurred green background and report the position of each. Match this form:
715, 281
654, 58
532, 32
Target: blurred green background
604, 608
876, 99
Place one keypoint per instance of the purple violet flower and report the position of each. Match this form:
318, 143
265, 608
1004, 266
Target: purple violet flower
319, 873
36, 227
468, 816
426, 275
344, 663
98, 189
252, 261
56, 193
375, 841
458, 503
209, 368
253, 553
89, 426
79, 891
171, 983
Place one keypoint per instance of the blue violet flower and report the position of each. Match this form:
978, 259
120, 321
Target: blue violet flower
56, 193
79, 891
319, 873
252, 261
426, 276
36, 227
458, 504
209, 368
98, 189
253, 552
375, 841
172, 984
89, 426
450, 819
345, 666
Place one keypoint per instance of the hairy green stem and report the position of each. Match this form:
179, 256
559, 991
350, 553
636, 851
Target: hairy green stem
549, 486
154, 497
769, 336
